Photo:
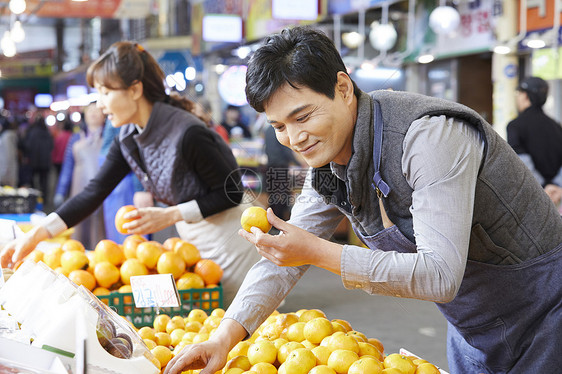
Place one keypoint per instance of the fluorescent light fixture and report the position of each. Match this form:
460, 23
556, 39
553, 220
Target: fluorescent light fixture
294, 9
426, 58
502, 49
222, 28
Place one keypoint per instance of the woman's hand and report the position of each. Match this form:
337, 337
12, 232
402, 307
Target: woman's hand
17, 249
149, 220
294, 246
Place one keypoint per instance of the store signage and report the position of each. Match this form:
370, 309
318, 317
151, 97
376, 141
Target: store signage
294, 9
155, 290
474, 32
540, 14
222, 28
133, 9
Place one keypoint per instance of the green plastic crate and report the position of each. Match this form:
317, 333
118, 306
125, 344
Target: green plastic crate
206, 299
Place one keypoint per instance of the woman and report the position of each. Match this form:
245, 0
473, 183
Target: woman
176, 157
81, 164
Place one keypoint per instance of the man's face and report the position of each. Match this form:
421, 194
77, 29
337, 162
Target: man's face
318, 128
522, 100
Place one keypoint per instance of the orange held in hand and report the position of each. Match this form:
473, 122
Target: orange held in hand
120, 220
255, 217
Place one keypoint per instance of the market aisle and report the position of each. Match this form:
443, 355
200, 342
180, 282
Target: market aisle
415, 325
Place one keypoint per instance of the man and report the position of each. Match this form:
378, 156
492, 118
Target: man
487, 250
232, 122
536, 137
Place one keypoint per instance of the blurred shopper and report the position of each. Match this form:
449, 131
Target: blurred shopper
181, 162
202, 109
63, 133
232, 121
534, 136
8, 153
79, 167
449, 214
37, 146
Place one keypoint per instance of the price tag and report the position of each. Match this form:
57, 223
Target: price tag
157, 290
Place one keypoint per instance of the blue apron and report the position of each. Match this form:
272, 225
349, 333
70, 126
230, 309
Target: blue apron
505, 318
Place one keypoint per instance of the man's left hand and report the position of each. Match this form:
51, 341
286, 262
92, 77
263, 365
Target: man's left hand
294, 246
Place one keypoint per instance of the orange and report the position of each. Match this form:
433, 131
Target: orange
108, 250
190, 280
263, 368
149, 252
176, 322
52, 257
286, 349
210, 296
74, 260
240, 361
170, 263
322, 354
343, 341
35, 256
309, 314
255, 216
160, 322
120, 220
163, 354
197, 315
150, 344
400, 362
377, 343
188, 252
366, 365
427, 368
147, 332
341, 359
106, 274
359, 336
317, 329
209, 270
262, 351
322, 369
240, 349
170, 243
101, 291
368, 349
130, 245
295, 332
346, 325
83, 278
300, 361
72, 245
132, 267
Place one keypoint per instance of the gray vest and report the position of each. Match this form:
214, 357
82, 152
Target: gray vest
156, 158
513, 219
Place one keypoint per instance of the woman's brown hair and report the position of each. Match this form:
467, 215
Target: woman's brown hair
126, 63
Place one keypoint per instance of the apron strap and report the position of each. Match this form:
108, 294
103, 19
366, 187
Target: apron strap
378, 184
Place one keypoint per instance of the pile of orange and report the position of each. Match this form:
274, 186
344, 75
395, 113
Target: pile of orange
110, 266
290, 343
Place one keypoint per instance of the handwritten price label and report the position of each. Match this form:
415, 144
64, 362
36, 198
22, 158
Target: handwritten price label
157, 290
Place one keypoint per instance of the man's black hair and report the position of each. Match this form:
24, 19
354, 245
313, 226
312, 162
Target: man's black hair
300, 57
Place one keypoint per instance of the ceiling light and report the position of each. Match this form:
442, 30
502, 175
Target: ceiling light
426, 58
17, 33
382, 36
502, 49
444, 19
17, 6
352, 39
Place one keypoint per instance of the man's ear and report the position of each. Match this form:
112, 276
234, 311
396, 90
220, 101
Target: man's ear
136, 90
344, 86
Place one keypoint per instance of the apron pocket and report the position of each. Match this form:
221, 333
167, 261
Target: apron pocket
491, 347
483, 249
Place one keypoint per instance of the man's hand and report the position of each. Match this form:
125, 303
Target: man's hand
150, 220
17, 249
210, 355
294, 246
